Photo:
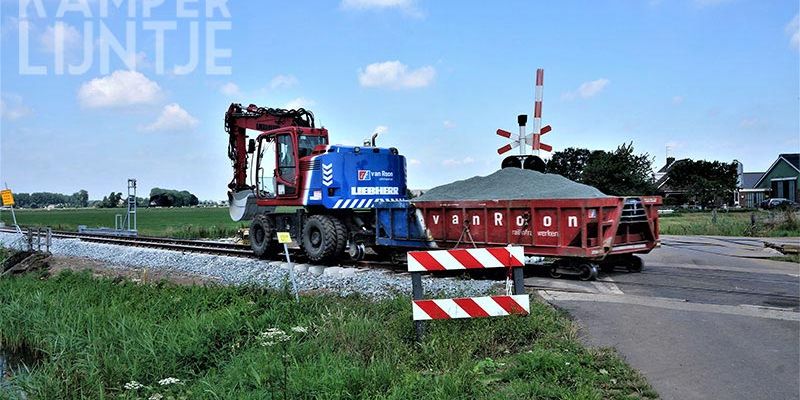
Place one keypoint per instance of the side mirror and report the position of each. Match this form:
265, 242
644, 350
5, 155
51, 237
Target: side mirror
251, 146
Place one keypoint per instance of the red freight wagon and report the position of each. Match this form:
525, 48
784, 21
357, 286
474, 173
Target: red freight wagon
583, 233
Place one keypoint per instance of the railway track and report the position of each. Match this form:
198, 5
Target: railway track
202, 247
183, 245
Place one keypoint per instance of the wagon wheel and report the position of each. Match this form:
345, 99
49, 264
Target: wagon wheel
553, 272
587, 272
635, 264
607, 267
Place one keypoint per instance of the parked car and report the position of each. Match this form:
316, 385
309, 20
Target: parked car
778, 202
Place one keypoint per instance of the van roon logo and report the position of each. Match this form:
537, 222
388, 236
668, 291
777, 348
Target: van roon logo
364, 175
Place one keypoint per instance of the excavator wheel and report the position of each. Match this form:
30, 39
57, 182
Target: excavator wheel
324, 238
262, 237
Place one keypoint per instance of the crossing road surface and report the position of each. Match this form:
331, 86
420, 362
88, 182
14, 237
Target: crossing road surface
708, 318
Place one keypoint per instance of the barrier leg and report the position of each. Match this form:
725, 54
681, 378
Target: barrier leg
417, 293
518, 275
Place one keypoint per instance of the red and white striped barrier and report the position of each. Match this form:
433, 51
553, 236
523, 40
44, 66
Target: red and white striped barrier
471, 307
442, 260
513, 257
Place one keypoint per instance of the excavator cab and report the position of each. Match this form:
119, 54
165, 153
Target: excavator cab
277, 158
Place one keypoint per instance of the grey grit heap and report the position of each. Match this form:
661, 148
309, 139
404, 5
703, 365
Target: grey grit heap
511, 184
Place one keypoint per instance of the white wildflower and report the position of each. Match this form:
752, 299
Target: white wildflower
133, 385
169, 381
157, 396
300, 329
272, 335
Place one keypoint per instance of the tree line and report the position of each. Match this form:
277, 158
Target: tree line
158, 198
623, 172
44, 199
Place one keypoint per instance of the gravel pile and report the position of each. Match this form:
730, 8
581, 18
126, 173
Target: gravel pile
512, 184
234, 270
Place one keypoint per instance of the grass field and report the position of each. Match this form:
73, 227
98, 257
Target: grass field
94, 336
168, 222
775, 224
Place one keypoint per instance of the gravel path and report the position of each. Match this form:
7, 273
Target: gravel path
235, 270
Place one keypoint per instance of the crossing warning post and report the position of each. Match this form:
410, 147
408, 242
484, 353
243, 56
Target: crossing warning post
285, 238
514, 302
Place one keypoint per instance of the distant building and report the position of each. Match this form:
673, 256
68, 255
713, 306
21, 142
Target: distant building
747, 195
782, 177
676, 196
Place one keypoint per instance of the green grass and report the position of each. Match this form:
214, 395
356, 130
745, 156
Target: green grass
168, 222
95, 335
771, 224
791, 258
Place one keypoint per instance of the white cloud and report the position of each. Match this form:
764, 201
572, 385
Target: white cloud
381, 129
414, 161
11, 107
406, 6
793, 30
282, 81
173, 118
60, 32
300, 102
121, 88
395, 75
452, 162
230, 89
677, 100
587, 89
750, 123
448, 124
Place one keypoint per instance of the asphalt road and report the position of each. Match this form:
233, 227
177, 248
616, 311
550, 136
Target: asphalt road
708, 318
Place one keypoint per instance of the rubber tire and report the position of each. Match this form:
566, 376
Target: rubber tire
587, 272
341, 235
262, 237
635, 264
324, 238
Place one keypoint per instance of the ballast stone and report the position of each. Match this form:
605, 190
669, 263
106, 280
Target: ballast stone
511, 184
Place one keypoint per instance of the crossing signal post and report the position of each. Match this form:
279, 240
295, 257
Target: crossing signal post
285, 238
533, 139
7, 198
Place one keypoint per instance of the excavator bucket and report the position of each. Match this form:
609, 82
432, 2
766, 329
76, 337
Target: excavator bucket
243, 205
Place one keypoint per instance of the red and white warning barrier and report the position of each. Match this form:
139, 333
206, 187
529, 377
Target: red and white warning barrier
441, 260
512, 257
471, 307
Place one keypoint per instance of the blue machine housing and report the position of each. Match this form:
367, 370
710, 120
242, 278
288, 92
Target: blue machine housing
397, 224
353, 177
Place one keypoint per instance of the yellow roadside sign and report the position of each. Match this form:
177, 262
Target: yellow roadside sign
284, 237
7, 197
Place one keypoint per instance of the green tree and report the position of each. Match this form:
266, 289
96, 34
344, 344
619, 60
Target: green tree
80, 198
706, 182
172, 198
568, 163
621, 172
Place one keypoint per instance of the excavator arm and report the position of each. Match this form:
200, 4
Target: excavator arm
239, 119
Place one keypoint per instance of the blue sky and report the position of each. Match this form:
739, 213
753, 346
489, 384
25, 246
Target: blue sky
712, 79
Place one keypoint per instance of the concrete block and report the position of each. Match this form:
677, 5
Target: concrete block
316, 270
301, 268
332, 271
